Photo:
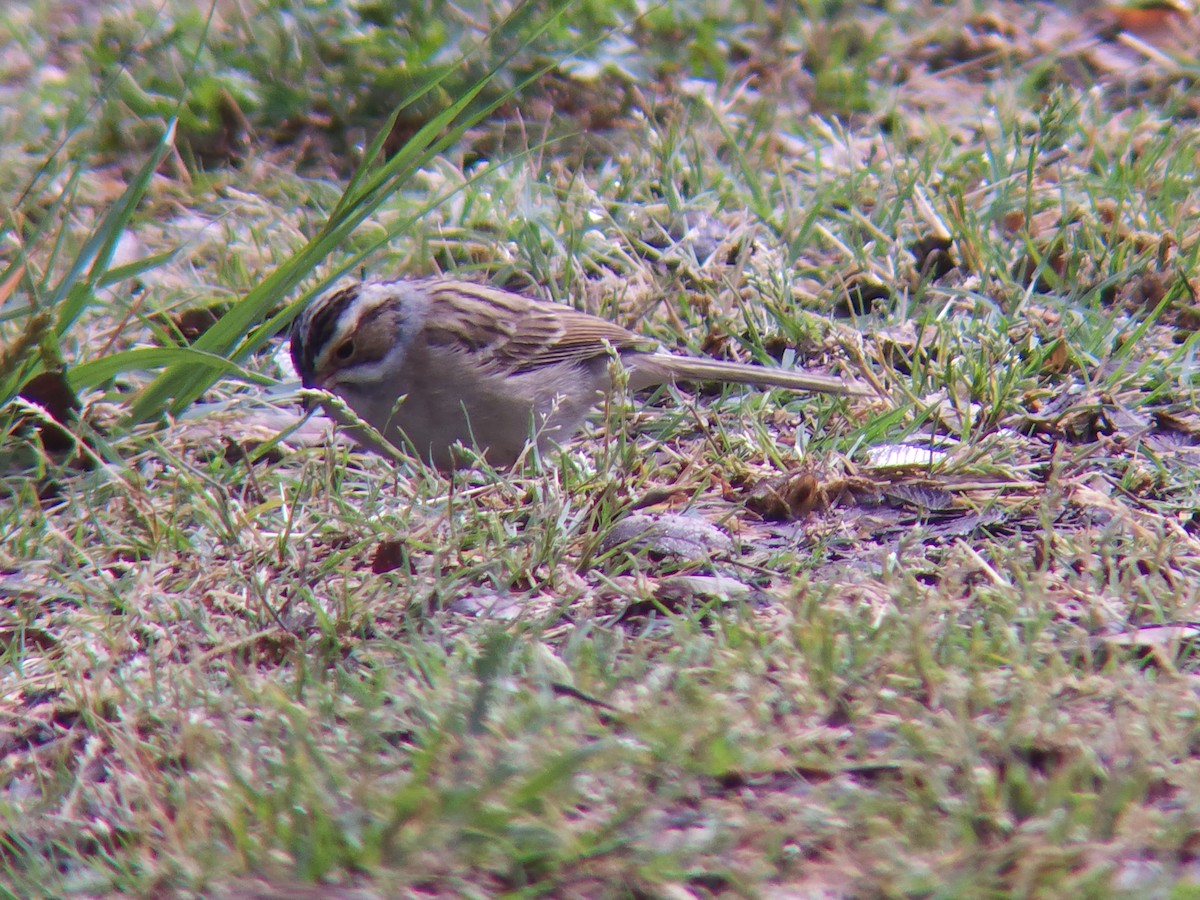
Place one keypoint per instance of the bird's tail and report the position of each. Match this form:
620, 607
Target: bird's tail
647, 370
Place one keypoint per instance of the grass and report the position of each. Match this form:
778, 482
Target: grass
728, 642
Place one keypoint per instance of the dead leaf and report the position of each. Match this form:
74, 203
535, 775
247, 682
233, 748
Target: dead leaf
903, 456
1056, 358
933, 256
51, 392
389, 556
669, 535
859, 292
787, 498
924, 497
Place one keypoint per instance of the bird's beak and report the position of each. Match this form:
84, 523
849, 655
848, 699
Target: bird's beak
307, 399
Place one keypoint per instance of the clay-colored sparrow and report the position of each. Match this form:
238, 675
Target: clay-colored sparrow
439, 362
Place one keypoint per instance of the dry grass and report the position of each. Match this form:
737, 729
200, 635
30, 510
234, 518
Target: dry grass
934, 643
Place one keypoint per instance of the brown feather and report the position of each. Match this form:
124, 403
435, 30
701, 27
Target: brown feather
527, 334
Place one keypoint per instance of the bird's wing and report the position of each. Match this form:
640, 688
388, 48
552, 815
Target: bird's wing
512, 333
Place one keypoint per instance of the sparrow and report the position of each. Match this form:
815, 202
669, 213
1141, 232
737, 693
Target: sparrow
434, 365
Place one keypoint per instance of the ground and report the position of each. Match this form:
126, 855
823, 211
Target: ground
937, 640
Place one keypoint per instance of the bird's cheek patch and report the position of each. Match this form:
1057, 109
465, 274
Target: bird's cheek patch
373, 344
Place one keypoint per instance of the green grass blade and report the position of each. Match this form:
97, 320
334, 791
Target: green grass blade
182, 384
74, 291
98, 371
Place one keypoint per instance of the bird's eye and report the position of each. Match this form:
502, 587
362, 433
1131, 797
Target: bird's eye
345, 351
